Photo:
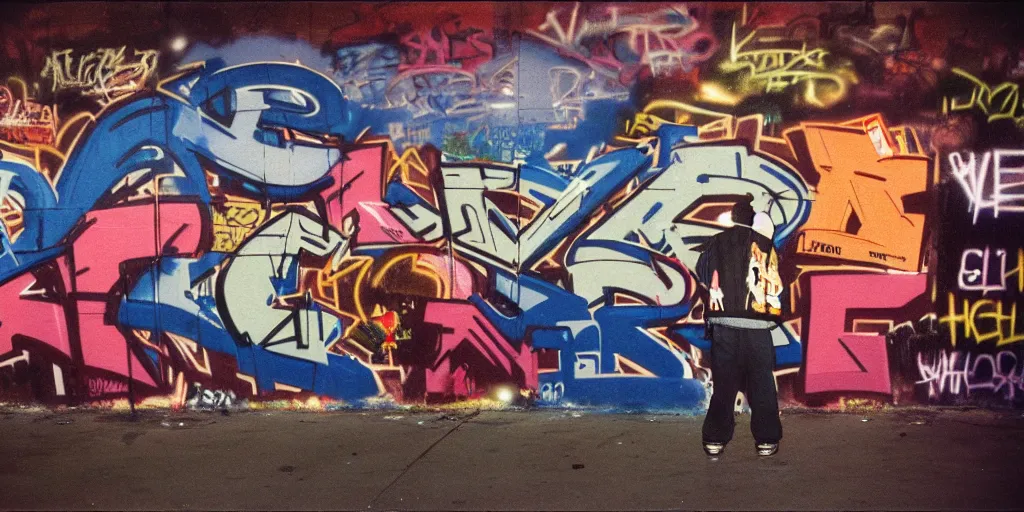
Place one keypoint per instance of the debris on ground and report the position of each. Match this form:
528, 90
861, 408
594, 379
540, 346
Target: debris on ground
577, 466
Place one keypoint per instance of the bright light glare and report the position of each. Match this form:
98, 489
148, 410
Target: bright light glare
725, 219
179, 43
505, 395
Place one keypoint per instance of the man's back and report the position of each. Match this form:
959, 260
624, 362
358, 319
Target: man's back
741, 269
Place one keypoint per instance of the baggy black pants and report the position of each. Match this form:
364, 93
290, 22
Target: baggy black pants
742, 360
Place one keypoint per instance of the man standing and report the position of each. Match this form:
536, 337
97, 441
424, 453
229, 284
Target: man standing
740, 268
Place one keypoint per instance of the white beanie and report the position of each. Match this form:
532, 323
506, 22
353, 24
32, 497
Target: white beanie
763, 224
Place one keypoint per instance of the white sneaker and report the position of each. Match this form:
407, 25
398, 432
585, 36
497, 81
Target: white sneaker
767, 449
713, 449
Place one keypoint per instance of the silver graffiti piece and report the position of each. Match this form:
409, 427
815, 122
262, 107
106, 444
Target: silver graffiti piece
261, 269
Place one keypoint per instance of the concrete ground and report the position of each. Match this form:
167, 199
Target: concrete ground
494, 460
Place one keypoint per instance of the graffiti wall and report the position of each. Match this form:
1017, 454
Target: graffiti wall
356, 204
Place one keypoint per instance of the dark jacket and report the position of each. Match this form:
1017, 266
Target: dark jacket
740, 268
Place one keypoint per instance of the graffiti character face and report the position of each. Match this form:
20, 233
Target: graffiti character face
764, 283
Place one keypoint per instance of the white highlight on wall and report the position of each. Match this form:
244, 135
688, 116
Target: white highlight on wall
58, 380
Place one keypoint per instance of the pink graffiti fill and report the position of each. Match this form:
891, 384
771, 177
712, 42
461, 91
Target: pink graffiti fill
116, 236
469, 332
23, 313
845, 361
359, 185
